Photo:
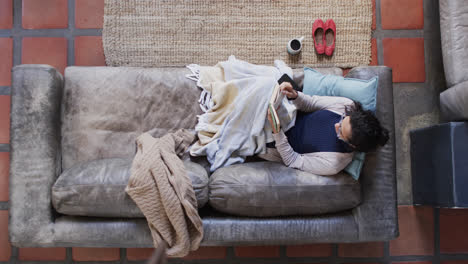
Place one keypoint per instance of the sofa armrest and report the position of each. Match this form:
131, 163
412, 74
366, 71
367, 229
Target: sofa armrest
377, 216
35, 153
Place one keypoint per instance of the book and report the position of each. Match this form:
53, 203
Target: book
274, 103
274, 117
277, 98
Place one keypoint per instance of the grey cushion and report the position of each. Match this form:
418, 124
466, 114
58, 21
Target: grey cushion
453, 31
97, 188
454, 102
104, 109
272, 189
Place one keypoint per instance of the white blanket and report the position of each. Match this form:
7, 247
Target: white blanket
235, 100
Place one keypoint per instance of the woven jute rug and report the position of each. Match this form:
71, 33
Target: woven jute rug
151, 33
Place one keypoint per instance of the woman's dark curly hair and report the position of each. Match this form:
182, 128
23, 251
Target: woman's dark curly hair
366, 131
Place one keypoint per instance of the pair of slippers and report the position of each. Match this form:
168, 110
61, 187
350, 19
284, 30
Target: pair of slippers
324, 36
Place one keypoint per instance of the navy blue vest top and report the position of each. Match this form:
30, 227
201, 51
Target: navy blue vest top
315, 132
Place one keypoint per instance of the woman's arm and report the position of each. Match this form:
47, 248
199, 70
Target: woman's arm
320, 163
307, 103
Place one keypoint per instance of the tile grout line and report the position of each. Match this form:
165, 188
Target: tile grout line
378, 15
4, 206
69, 33
426, 69
334, 259
70, 61
5, 90
14, 254
17, 15
436, 236
283, 257
123, 255
230, 255
399, 33
380, 52
377, 36
55, 262
4, 147
17, 49
54, 32
69, 256
6, 33
410, 258
456, 256
17, 27
386, 253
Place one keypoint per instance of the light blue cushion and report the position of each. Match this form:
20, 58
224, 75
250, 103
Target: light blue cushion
363, 91
354, 168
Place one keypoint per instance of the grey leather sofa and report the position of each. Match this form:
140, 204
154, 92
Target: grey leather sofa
48, 140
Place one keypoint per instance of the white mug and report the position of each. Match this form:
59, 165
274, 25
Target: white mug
295, 45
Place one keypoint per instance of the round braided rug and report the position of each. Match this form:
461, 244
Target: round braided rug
156, 33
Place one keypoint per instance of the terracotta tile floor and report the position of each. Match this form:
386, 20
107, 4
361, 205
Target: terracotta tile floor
68, 32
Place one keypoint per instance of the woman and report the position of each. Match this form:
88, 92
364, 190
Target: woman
327, 132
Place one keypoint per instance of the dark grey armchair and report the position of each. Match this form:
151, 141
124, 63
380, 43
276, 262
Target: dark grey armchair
38, 156
439, 153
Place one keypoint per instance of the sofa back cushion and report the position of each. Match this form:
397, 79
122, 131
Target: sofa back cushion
264, 189
104, 109
97, 188
453, 32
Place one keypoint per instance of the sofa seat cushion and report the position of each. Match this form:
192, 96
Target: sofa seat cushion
97, 188
265, 189
454, 102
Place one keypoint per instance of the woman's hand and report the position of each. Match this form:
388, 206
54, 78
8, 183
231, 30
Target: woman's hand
273, 129
287, 89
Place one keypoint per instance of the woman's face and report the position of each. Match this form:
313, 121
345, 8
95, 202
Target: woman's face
343, 129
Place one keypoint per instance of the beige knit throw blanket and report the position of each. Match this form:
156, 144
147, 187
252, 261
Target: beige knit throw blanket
161, 188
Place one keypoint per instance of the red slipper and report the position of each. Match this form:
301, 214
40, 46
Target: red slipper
329, 37
318, 36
